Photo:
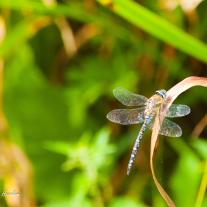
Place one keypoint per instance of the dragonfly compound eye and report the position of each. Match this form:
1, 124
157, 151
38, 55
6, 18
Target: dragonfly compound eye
161, 93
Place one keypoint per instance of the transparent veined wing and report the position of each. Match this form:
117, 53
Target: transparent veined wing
127, 116
168, 128
177, 110
129, 99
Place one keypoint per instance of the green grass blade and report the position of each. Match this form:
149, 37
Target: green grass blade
202, 189
74, 11
21, 32
158, 27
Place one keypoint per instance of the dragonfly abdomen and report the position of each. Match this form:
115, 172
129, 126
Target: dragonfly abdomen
136, 144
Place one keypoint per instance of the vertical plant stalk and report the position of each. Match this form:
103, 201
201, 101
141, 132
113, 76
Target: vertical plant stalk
16, 170
172, 94
202, 189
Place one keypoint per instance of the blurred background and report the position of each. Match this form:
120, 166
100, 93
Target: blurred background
59, 63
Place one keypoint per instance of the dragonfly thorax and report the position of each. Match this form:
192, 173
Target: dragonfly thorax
153, 105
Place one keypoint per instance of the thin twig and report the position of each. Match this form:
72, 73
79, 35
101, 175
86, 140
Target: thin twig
199, 127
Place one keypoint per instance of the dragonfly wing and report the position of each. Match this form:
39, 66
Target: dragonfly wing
129, 99
127, 116
168, 128
177, 110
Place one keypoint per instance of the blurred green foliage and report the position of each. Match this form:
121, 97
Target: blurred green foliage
61, 64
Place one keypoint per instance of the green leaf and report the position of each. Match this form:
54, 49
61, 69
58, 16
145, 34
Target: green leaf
186, 175
73, 11
16, 37
158, 27
125, 202
200, 145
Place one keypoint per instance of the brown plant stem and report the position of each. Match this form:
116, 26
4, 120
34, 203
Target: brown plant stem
172, 94
199, 127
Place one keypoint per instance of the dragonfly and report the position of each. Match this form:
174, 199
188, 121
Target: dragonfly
146, 112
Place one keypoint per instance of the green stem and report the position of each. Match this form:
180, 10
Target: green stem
202, 189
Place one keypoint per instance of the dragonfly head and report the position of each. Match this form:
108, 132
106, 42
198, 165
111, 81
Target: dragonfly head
161, 93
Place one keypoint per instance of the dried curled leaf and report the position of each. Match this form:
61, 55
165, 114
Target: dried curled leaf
172, 94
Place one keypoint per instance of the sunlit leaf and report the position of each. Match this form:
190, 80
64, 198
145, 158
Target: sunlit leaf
157, 26
124, 202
